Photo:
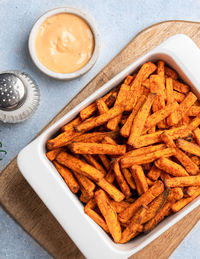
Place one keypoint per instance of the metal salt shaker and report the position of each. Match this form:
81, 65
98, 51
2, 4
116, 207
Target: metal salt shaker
19, 96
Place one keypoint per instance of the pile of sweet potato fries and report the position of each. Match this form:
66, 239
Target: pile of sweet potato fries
132, 157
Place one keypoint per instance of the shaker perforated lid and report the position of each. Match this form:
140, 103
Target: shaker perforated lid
19, 96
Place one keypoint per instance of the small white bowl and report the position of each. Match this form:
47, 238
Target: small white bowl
32, 37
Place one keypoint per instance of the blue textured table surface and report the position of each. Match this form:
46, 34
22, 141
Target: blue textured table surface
118, 22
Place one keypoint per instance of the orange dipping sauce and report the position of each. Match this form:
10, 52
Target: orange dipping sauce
64, 43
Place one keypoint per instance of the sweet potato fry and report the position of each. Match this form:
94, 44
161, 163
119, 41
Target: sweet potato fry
101, 119
197, 135
71, 124
85, 196
191, 190
125, 130
92, 108
133, 226
121, 99
121, 181
105, 161
127, 162
51, 155
183, 202
92, 161
171, 73
97, 148
155, 206
161, 68
154, 173
170, 167
169, 91
102, 107
144, 72
195, 122
167, 139
189, 165
63, 139
188, 147
110, 100
144, 199
95, 137
94, 215
86, 183
109, 214
140, 179
67, 176
183, 181
79, 166
110, 176
114, 193
180, 87
149, 139
158, 116
129, 178
144, 150
157, 86
140, 118
88, 111
158, 218
185, 160
182, 110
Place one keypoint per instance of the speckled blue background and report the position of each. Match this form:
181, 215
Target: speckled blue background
118, 22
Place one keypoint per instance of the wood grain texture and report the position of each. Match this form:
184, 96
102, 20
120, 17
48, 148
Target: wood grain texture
24, 205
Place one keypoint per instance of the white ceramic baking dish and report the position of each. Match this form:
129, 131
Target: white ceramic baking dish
181, 53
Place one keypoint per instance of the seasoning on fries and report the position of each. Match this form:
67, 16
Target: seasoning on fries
132, 157
97, 148
183, 181
170, 167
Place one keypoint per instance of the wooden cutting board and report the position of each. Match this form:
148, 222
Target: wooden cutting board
24, 205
